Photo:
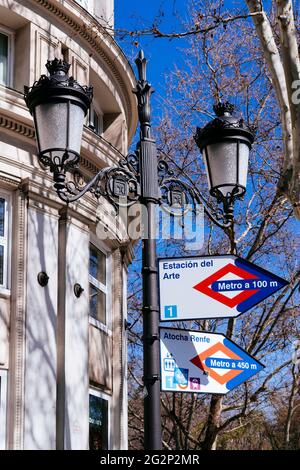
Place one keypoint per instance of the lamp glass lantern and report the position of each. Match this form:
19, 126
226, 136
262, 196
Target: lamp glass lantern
225, 143
58, 105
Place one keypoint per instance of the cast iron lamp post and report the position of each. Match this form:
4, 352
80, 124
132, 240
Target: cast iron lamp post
58, 105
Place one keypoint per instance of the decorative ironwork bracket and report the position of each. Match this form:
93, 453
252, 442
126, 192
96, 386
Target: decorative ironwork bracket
120, 185
177, 193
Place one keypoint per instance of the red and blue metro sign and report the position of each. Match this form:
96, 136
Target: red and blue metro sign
212, 287
202, 362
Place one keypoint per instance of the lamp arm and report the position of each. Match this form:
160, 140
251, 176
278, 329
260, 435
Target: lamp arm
177, 193
70, 191
219, 214
119, 185
214, 214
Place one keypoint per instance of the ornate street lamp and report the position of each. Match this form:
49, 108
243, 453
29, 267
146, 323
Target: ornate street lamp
58, 105
225, 143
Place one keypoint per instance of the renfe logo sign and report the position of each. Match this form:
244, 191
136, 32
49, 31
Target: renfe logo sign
212, 287
202, 362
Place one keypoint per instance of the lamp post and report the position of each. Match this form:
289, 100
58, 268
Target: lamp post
141, 176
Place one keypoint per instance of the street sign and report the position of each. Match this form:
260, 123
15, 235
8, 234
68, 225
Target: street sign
201, 362
212, 287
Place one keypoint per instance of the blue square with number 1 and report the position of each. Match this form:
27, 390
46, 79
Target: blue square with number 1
170, 311
170, 382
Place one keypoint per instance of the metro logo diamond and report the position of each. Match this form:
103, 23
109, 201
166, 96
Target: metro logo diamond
204, 286
219, 347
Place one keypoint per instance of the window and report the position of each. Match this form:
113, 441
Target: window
95, 120
98, 421
98, 285
3, 59
3, 380
6, 45
4, 239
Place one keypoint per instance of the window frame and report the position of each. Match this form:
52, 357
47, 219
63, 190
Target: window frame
106, 289
5, 241
91, 120
3, 408
100, 394
10, 54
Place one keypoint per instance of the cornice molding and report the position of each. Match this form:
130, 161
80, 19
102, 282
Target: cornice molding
16, 126
95, 40
9, 181
87, 165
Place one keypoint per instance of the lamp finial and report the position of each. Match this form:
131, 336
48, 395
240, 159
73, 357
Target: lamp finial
223, 108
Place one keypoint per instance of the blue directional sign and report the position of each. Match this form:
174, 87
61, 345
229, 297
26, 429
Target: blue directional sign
201, 362
212, 286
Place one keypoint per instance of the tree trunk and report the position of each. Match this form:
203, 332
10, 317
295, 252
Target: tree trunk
291, 64
284, 68
213, 422
290, 411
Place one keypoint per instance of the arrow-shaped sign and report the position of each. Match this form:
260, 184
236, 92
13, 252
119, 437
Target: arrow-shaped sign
212, 287
203, 362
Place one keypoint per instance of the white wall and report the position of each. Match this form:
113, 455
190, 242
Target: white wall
76, 341
3, 401
40, 356
124, 398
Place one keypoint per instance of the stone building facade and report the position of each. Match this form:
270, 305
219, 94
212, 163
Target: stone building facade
62, 357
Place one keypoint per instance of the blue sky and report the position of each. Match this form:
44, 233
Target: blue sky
162, 54
137, 15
